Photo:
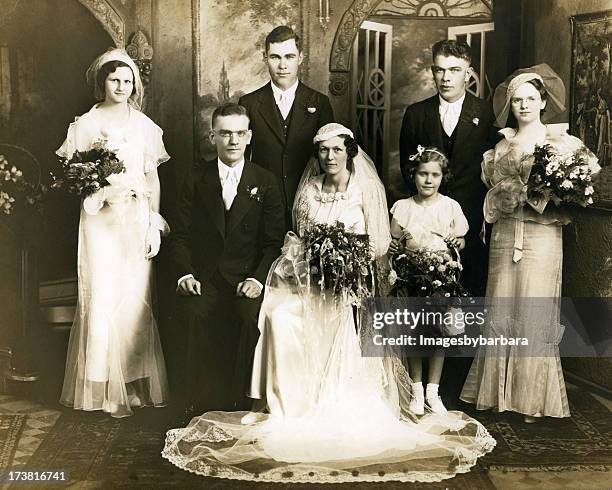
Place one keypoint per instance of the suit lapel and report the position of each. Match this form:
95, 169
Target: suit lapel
242, 201
267, 110
466, 123
210, 187
299, 111
432, 123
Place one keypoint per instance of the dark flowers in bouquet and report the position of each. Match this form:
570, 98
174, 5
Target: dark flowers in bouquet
340, 262
86, 172
561, 177
427, 273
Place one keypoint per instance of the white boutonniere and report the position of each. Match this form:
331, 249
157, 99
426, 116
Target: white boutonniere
254, 193
475, 121
311, 110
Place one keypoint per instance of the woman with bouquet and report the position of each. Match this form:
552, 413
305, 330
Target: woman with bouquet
114, 361
334, 415
530, 171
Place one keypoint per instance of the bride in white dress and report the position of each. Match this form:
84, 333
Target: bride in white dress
334, 415
114, 361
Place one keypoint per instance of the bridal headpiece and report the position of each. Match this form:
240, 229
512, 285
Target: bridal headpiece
329, 131
553, 84
116, 54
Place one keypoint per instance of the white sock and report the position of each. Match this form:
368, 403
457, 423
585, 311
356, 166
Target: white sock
432, 390
417, 390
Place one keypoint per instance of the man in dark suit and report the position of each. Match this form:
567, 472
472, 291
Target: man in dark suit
285, 115
227, 232
460, 125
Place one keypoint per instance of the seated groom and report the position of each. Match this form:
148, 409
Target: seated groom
228, 230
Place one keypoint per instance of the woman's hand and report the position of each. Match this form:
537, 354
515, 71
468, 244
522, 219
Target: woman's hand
509, 202
455, 242
152, 242
395, 247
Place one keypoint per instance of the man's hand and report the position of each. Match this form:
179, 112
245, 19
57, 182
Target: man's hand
456, 242
249, 289
190, 287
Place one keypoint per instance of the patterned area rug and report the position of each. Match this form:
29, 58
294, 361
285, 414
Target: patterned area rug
11, 426
582, 442
125, 453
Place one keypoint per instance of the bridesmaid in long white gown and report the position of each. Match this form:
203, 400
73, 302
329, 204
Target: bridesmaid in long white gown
115, 362
335, 415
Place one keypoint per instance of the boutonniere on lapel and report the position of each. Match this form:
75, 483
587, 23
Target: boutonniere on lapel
311, 110
475, 121
254, 193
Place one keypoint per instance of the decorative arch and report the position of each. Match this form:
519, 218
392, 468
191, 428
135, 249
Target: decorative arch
359, 11
340, 59
109, 18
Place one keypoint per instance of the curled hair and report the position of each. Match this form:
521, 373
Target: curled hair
105, 70
352, 148
427, 155
451, 47
541, 88
228, 109
281, 34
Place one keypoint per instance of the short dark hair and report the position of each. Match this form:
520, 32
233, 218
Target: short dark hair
352, 148
429, 154
228, 109
451, 47
281, 34
105, 70
540, 87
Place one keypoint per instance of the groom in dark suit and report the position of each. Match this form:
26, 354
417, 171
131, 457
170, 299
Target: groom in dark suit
461, 125
227, 232
285, 115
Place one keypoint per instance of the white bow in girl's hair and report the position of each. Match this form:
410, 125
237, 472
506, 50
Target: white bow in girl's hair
418, 154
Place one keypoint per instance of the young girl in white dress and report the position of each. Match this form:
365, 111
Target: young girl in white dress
433, 221
114, 360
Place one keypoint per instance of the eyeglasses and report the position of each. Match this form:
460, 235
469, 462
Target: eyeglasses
228, 134
527, 100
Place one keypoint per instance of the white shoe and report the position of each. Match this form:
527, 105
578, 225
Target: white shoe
436, 405
417, 406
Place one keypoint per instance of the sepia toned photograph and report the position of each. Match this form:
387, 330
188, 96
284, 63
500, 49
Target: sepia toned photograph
306, 244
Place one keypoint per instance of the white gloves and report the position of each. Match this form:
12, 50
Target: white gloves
158, 227
94, 202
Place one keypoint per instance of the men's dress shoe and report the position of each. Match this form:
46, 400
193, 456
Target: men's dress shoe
417, 406
436, 405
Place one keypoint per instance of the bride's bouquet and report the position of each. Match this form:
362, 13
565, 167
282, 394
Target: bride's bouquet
339, 262
86, 172
427, 273
561, 177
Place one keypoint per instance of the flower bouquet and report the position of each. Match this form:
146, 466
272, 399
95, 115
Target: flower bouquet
86, 172
561, 177
339, 262
427, 273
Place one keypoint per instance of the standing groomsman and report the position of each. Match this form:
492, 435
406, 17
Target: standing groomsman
461, 125
285, 115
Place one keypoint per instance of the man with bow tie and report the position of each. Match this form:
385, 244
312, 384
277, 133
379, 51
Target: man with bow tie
227, 232
285, 115
460, 125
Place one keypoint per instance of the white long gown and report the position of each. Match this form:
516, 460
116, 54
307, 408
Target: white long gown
335, 416
115, 361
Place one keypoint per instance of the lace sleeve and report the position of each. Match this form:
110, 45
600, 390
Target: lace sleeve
487, 165
70, 143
